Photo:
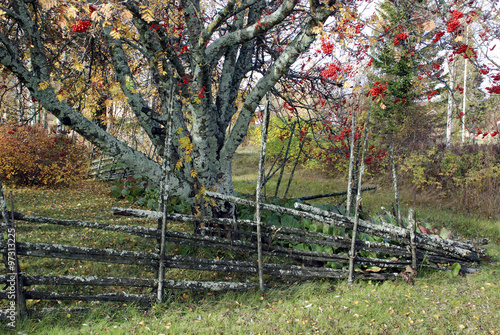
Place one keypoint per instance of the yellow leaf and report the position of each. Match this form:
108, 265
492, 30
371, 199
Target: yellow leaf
459, 38
71, 12
194, 173
107, 11
115, 34
429, 25
316, 29
78, 66
48, 4
382, 105
60, 97
347, 84
470, 53
147, 16
43, 85
178, 165
115, 88
68, 315
95, 17
126, 16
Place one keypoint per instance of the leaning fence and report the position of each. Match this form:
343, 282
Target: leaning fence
399, 248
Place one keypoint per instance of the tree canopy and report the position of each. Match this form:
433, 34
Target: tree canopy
207, 65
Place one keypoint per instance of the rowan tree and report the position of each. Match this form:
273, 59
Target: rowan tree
206, 66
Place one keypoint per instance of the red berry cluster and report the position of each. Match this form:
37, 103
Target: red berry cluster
326, 46
495, 88
454, 23
400, 37
81, 26
438, 36
377, 89
466, 50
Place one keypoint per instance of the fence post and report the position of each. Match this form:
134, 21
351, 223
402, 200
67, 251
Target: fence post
98, 169
352, 255
22, 311
4, 223
111, 169
10, 255
412, 228
164, 189
258, 191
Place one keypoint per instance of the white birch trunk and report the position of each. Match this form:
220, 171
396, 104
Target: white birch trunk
449, 111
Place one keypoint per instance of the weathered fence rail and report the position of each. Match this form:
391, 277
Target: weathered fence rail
107, 168
399, 248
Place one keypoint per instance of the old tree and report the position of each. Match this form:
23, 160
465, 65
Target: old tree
194, 56
207, 64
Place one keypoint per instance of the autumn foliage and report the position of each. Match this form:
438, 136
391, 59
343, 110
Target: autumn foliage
32, 157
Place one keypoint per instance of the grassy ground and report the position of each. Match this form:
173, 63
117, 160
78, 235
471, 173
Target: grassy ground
438, 303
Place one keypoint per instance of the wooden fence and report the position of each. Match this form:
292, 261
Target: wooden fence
400, 247
107, 168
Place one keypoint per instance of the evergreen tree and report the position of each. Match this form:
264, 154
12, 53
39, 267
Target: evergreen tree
396, 67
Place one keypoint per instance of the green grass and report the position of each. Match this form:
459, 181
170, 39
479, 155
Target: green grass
438, 303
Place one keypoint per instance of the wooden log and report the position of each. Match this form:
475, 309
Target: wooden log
352, 252
132, 282
412, 229
89, 280
85, 253
323, 239
122, 297
207, 285
102, 160
141, 213
85, 224
333, 194
448, 248
258, 192
329, 240
191, 263
351, 168
376, 275
190, 239
427, 242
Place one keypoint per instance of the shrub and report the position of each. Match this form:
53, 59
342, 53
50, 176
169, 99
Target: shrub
467, 174
139, 191
30, 156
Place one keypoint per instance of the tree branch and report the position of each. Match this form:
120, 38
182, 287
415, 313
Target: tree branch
246, 34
